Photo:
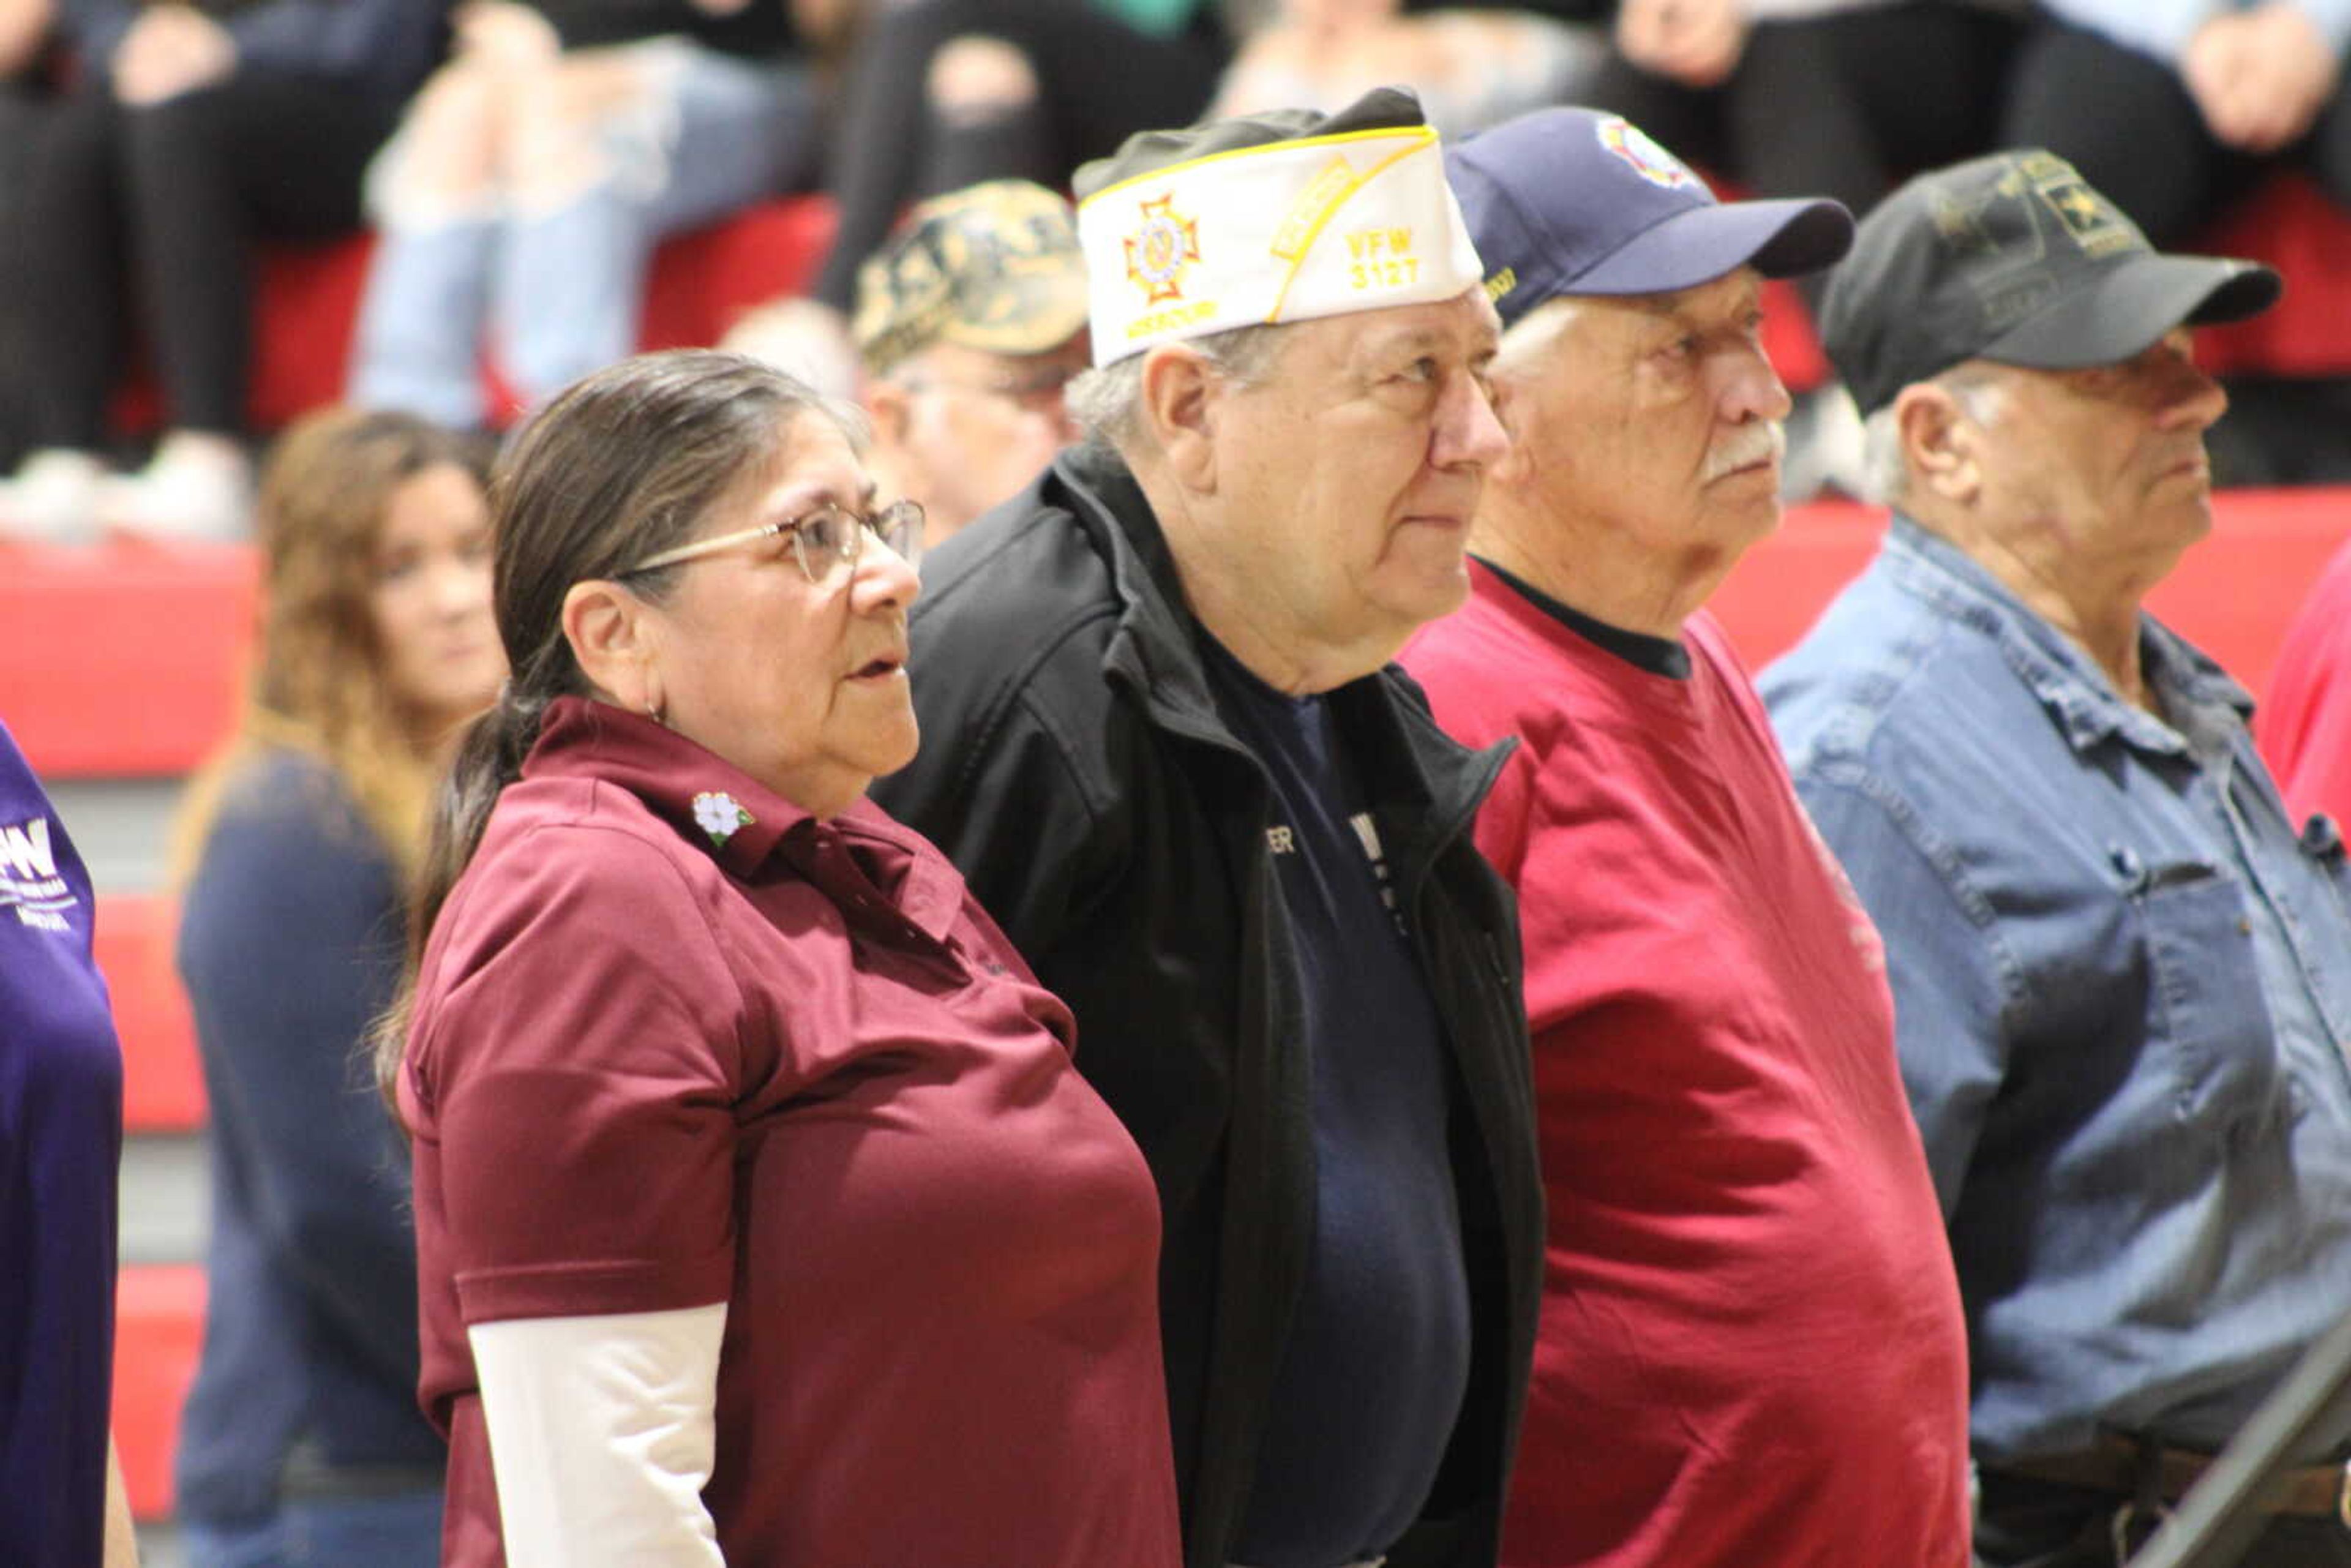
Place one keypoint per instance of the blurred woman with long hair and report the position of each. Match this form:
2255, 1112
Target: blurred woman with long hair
301, 1442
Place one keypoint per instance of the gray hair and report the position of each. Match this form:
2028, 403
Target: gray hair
1106, 402
1885, 465
1531, 335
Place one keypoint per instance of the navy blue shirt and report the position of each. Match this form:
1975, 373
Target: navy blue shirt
290, 943
1378, 1357
2122, 987
61, 1146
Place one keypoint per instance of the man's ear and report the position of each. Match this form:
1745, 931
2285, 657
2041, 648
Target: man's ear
617, 642
1181, 395
1938, 442
1512, 405
889, 406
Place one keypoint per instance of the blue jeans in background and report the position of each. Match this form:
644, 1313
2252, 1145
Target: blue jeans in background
401, 1530
562, 290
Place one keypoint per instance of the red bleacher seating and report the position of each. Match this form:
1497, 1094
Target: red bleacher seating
122, 661
701, 282
1789, 340
125, 659
2286, 222
2231, 595
2289, 224
159, 1326
163, 1080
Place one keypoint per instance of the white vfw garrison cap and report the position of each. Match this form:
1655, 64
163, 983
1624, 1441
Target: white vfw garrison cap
1276, 217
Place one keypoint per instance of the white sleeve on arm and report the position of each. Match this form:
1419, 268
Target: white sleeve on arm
602, 1431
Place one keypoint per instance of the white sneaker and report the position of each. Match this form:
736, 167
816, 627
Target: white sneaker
184, 493
52, 497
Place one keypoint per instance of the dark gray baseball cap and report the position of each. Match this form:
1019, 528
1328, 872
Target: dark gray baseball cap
2014, 257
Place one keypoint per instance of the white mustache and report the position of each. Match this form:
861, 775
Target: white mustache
1748, 444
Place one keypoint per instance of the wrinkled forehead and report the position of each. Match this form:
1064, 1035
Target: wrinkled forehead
1735, 295
1627, 323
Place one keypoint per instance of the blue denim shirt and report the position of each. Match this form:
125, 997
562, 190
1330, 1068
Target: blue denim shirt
2122, 987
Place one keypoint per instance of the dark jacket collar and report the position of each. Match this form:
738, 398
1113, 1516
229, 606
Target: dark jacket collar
1153, 648
1396, 744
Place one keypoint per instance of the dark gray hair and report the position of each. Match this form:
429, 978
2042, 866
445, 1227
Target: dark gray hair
1884, 466
1107, 402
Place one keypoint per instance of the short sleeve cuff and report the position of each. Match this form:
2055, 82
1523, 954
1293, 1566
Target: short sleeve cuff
593, 1289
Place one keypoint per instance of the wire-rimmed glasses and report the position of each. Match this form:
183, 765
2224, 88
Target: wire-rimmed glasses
825, 539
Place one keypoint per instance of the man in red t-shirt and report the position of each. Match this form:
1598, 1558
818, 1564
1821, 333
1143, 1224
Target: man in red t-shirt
2304, 727
1752, 1349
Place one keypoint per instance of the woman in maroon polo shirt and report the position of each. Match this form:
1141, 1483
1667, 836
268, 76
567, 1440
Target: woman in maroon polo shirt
761, 1217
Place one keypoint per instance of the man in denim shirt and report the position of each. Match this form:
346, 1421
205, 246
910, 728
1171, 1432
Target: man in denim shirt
2122, 981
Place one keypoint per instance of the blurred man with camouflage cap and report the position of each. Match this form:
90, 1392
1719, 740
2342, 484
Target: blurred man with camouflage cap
969, 323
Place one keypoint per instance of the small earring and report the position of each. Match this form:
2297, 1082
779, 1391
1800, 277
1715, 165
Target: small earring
653, 712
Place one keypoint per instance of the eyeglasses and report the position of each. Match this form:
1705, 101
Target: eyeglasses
823, 540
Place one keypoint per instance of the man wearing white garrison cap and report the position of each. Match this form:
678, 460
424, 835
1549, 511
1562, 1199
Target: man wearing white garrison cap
1163, 741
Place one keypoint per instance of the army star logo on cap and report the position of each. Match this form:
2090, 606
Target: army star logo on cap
2094, 223
1158, 254
1646, 157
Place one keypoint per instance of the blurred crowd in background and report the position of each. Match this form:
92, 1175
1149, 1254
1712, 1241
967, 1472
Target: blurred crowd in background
518, 161
519, 165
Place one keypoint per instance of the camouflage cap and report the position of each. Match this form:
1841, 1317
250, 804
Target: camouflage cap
994, 266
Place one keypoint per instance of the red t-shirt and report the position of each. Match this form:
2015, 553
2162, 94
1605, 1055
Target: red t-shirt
1751, 1350
677, 1042
2304, 723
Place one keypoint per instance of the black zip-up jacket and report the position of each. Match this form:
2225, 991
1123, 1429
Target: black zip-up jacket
1074, 766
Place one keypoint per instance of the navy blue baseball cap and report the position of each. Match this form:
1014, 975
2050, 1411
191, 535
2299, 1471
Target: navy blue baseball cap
1571, 201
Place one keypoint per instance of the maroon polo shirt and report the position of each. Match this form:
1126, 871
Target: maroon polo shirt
678, 1042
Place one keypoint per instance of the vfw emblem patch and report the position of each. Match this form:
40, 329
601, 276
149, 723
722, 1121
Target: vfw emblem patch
1158, 253
1648, 159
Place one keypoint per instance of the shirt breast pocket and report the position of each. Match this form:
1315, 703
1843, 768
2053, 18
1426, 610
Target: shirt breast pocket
2206, 1016
2321, 845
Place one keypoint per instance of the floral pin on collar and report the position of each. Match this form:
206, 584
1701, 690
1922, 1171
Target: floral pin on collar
719, 815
